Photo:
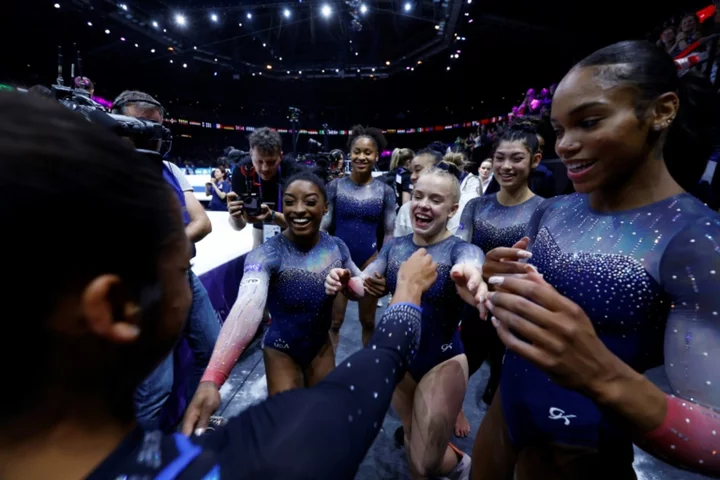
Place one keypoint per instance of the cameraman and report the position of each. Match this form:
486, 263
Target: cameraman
202, 327
260, 175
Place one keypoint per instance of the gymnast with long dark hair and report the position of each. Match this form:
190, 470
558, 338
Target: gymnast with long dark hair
630, 271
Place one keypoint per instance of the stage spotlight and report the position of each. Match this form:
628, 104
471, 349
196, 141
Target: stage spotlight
194, 48
448, 69
249, 16
216, 59
107, 32
184, 65
136, 45
89, 24
363, 9
387, 63
408, 6
300, 72
337, 70
57, 5
171, 60
155, 24
215, 74
122, 39
123, 6
288, 72
373, 69
269, 67
286, 13
326, 11
437, 27
180, 20
280, 59
164, 30
214, 17
356, 54
264, 45
152, 50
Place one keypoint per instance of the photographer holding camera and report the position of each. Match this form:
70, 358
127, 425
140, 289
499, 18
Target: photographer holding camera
202, 327
256, 195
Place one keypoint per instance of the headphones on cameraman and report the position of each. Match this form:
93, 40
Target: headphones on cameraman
165, 136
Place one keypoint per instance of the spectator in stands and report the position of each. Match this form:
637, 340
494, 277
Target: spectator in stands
202, 327
218, 187
669, 41
689, 31
85, 83
485, 174
260, 175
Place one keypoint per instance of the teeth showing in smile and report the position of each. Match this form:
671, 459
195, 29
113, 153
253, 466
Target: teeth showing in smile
301, 221
576, 167
422, 218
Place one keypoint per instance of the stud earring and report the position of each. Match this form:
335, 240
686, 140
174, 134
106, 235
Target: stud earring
656, 128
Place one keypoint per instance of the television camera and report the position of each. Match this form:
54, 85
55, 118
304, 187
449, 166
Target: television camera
151, 139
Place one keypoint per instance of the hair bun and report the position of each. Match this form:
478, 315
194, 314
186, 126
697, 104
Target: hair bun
450, 168
526, 124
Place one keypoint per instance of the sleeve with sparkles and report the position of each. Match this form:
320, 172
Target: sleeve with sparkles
690, 272
465, 229
245, 315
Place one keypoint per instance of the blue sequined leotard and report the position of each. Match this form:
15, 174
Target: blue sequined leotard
357, 213
299, 307
649, 280
441, 304
488, 224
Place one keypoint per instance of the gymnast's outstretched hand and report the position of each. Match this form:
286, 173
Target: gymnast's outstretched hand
470, 285
203, 404
340, 280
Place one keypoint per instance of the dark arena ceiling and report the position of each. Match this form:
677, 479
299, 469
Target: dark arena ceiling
361, 56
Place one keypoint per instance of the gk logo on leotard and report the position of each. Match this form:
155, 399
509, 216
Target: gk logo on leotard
446, 347
557, 414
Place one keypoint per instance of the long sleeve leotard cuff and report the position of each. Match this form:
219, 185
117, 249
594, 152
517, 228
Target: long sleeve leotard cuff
689, 437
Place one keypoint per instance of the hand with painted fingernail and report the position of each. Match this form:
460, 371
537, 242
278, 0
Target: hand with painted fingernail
503, 260
470, 285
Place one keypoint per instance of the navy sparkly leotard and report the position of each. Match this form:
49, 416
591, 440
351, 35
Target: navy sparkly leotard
299, 307
488, 224
649, 280
441, 304
357, 212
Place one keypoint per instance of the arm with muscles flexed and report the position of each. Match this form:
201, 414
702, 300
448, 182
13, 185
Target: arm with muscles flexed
237, 331
683, 428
